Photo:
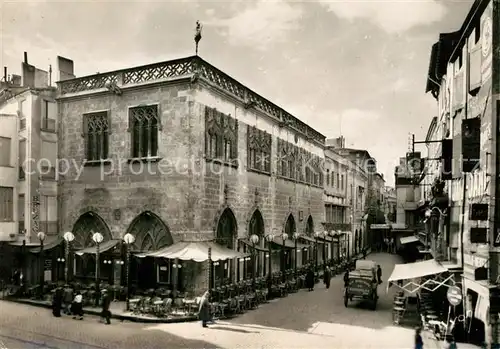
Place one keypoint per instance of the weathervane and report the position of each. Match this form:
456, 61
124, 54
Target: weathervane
197, 35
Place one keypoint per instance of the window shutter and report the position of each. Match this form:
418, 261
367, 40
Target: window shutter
457, 146
471, 144
85, 135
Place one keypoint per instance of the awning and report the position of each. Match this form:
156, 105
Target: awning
307, 238
289, 243
49, 244
195, 251
257, 247
408, 239
414, 271
103, 247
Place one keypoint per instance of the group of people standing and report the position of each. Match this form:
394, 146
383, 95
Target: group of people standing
70, 302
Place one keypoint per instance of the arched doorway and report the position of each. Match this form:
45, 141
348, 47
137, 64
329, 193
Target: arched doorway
286, 257
151, 234
255, 227
225, 236
83, 229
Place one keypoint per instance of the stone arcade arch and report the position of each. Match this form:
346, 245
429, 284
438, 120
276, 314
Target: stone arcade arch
151, 234
83, 229
290, 228
256, 226
225, 235
87, 224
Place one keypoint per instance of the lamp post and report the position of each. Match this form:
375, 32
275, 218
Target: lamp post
68, 238
269, 238
325, 234
59, 260
97, 238
177, 268
129, 239
254, 239
295, 237
317, 234
284, 237
41, 237
333, 235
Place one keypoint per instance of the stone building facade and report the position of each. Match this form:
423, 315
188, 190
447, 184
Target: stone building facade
180, 151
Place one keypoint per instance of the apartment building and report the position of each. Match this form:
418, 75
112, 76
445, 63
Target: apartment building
463, 78
28, 187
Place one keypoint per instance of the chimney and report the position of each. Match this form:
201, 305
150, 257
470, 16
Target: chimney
25, 57
5, 74
65, 69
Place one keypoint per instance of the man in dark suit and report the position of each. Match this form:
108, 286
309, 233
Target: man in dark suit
106, 302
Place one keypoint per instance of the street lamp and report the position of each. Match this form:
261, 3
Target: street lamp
269, 238
325, 234
254, 239
97, 238
332, 234
284, 237
68, 238
59, 261
295, 237
41, 237
177, 267
129, 239
317, 235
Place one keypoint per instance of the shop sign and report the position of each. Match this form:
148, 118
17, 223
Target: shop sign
475, 261
380, 226
454, 295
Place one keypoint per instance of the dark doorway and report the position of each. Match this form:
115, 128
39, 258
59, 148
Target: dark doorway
225, 236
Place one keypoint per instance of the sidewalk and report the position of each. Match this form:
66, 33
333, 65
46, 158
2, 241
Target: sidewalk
117, 311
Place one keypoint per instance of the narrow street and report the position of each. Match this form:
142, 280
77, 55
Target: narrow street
315, 319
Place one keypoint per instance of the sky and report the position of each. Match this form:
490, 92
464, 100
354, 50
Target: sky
352, 68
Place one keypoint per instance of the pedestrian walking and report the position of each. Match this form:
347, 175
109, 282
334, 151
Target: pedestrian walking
327, 275
67, 299
346, 278
310, 279
106, 302
379, 274
419, 343
57, 301
77, 305
204, 309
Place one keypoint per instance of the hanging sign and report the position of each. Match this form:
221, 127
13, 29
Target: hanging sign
454, 295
